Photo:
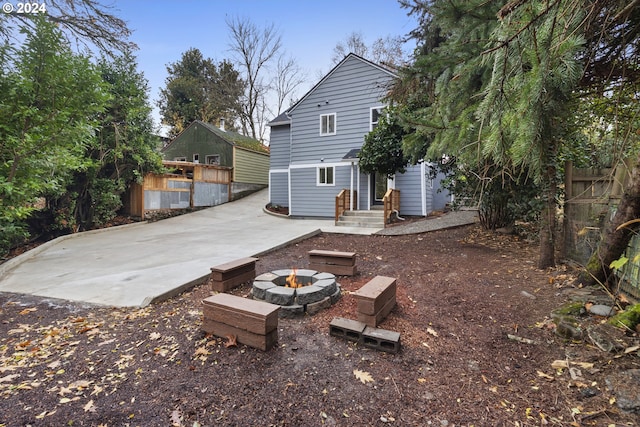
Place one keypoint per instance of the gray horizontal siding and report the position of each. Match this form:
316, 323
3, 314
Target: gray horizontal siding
279, 147
410, 186
279, 188
351, 91
309, 199
440, 196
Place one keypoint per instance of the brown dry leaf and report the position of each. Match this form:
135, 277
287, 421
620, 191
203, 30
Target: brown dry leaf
231, 341
564, 364
176, 418
89, 407
9, 378
202, 351
363, 376
27, 310
545, 376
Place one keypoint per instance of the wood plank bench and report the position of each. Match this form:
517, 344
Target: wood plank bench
254, 323
231, 274
338, 263
376, 299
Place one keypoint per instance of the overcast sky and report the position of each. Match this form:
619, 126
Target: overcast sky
164, 29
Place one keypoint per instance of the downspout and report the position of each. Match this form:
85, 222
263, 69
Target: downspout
351, 189
358, 185
289, 166
423, 187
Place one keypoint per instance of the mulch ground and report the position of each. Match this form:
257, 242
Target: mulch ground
463, 295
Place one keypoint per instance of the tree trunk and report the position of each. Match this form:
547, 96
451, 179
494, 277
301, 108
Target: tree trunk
547, 256
614, 241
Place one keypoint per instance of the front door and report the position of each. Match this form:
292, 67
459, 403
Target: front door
379, 188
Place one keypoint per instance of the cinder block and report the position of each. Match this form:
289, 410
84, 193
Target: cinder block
381, 339
346, 328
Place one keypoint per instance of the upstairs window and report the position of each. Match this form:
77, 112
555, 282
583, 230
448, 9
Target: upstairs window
328, 124
376, 113
325, 175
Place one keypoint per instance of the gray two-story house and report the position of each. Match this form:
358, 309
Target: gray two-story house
314, 148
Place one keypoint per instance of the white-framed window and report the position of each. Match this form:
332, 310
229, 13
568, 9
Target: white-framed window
213, 159
180, 159
328, 124
375, 114
196, 158
325, 175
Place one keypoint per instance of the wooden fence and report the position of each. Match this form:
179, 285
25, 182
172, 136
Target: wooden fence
591, 198
186, 185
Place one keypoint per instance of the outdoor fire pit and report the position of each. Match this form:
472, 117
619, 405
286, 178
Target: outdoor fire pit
297, 291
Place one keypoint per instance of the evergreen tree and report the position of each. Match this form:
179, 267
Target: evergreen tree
382, 152
197, 89
49, 97
123, 150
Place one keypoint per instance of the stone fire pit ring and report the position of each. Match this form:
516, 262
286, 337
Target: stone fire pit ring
321, 290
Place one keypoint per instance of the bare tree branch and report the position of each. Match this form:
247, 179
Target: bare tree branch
254, 49
88, 23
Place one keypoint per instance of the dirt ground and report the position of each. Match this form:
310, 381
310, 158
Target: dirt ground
468, 302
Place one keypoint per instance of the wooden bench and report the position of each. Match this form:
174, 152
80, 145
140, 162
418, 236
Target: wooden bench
338, 263
254, 323
231, 274
375, 300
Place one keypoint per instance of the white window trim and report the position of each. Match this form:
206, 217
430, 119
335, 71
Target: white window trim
379, 107
196, 158
180, 159
333, 175
335, 124
209, 156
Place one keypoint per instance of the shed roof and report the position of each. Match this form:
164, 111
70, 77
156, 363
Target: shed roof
231, 137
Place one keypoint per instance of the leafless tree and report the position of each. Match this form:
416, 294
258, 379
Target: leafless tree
387, 51
288, 78
88, 23
254, 49
354, 43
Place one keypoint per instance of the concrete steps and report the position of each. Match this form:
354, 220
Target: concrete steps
369, 219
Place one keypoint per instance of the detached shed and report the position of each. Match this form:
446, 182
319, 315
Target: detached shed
204, 143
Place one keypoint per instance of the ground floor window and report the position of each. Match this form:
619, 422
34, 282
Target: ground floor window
325, 175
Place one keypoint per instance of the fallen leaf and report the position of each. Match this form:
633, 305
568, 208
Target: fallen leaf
27, 310
545, 376
176, 418
363, 376
432, 332
154, 336
231, 341
201, 351
89, 407
9, 378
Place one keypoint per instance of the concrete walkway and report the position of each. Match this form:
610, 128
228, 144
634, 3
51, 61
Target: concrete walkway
137, 264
